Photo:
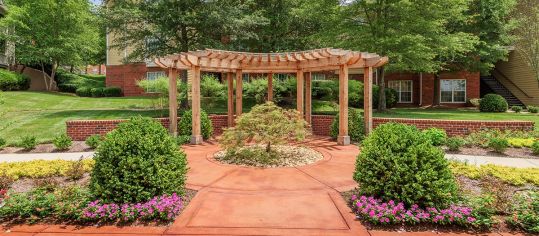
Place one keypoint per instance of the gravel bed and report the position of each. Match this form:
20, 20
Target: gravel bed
287, 156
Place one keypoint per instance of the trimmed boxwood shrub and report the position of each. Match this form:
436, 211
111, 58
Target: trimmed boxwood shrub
517, 109
185, 127
12, 81
356, 126
84, 92
137, 161
97, 92
112, 92
493, 103
398, 162
533, 109
68, 88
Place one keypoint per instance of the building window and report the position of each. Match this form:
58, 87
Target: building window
403, 88
453, 91
153, 76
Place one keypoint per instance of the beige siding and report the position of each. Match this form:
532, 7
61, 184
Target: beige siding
523, 83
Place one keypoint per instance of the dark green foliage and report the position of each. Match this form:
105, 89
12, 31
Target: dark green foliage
356, 126
516, 109
436, 136
97, 92
535, 147
493, 103
399, 163
498, 144
62, 142
12, 81
185, 126
93, 141
28, 142
533, 109
67, 88
391, 97
2, 142
454, 143
112, 92
84, 92
136, 161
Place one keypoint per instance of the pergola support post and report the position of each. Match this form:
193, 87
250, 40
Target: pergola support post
343, 138
230, 106
367, 93
173, 101
196, 138
299, 92
308, 98
239, 92
270, 87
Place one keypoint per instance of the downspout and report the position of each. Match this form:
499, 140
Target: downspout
420, 88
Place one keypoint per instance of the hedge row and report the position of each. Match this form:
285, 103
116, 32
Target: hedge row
11, 81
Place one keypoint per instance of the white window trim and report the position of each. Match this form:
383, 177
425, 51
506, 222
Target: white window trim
411, 91
452, 91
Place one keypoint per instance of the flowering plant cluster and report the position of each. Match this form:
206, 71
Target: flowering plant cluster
165, 207
378, 212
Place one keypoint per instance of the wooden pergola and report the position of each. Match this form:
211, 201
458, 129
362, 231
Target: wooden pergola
302, 63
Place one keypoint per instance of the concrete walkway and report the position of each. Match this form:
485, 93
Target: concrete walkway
502, 161
16, 157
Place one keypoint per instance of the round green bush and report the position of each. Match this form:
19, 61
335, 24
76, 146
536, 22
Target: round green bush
12, 81
93, 141
517, 109
84, 92
28, 142
498, 144
185, 127
399, 163
454, 143
493, 103
97, 92
67, 88
356, 126
112, 92
533, 109
137, 161
62, 142
435, 135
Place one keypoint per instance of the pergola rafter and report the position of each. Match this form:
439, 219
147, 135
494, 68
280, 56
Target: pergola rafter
301, 62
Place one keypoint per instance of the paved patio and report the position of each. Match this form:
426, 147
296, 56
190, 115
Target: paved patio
235, 200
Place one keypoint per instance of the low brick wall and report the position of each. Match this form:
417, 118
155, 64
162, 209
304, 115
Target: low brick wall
459, 127
79, 130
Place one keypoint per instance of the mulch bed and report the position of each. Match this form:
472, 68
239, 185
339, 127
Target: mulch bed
509, 153
77, 146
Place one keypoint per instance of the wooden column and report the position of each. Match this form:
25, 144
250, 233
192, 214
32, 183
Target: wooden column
196, 137
230, 113
299, 92
270, 87
239, 92
308, 98
343, 138
367, 93
173, 101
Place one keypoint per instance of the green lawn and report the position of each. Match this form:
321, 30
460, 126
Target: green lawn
44, 114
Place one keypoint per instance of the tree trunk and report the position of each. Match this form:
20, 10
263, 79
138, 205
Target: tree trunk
53, 74
268, 147
71, 69
436, 91
382, 90
44, 77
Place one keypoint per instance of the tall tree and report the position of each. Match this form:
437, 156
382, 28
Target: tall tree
414, 34
527, 32
157, 28
50, 32
491, 22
